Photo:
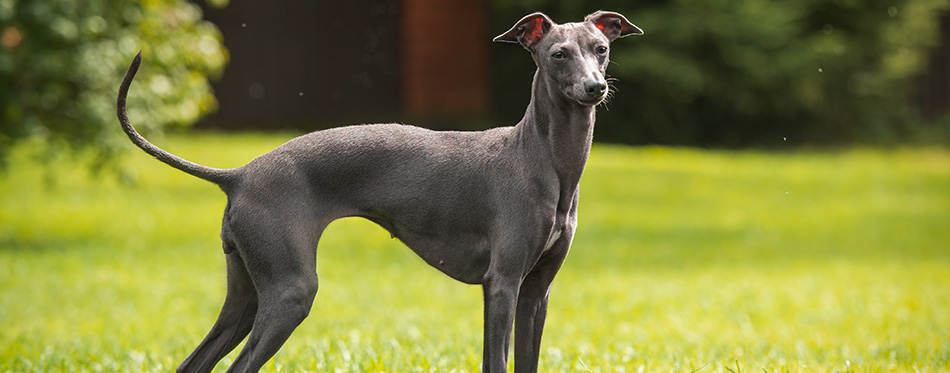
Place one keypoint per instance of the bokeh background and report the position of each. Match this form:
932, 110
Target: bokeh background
712, 73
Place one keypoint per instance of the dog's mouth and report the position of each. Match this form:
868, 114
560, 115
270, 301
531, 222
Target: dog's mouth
587, 100
591, 101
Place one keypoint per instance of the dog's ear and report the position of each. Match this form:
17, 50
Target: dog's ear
528, 31
613, 25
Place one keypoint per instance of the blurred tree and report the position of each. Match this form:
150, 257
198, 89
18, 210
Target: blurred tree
61, 62
756, 72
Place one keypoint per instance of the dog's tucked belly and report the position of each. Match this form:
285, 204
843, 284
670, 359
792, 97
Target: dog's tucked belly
464, 257
460, 249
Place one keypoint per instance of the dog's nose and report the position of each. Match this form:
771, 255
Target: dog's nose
595, 87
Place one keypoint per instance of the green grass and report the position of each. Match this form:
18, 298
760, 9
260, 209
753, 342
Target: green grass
684, 260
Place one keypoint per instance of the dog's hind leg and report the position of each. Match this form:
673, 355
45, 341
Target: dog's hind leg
283, 306
282, 264
234, 322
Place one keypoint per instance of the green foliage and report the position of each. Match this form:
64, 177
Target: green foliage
684, 259
752, 72
61, 63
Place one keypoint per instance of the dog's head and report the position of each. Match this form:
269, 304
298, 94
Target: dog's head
573, 56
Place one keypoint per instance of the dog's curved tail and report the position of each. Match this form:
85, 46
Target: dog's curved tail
214, 175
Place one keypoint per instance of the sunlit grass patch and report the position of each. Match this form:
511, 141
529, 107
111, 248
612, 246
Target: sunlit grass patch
684, 259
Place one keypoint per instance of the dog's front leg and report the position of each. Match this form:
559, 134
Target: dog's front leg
531, 312
501, 295
533, 305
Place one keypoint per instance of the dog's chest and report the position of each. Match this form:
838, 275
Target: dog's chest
552, 239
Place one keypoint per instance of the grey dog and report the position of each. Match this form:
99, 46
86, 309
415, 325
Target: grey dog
496, 208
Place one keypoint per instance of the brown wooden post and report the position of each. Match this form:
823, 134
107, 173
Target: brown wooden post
445, 57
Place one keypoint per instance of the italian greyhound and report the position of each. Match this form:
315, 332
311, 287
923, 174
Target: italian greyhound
496, 208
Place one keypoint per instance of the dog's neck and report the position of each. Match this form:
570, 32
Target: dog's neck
561, 127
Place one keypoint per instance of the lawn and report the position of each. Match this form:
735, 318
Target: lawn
685, 260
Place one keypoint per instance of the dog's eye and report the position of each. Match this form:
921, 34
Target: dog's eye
601, 50
558, 55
